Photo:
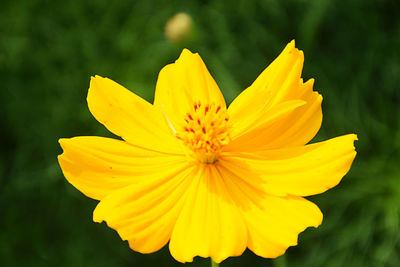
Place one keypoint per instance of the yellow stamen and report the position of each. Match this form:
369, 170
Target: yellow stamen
205, 131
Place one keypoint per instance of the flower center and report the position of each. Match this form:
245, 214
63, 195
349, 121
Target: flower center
205, 131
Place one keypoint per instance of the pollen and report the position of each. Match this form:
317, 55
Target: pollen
204, 131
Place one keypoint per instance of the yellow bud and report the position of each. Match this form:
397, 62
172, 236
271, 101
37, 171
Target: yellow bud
178, 28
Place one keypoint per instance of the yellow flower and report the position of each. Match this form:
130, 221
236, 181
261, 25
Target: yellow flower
209, 180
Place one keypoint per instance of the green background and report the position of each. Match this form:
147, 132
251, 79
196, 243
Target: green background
49, 50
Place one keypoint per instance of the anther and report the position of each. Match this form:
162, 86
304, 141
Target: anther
205, 131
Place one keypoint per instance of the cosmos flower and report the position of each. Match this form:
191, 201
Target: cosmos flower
210, 180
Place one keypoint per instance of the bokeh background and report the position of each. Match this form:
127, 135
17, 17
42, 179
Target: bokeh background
49, 50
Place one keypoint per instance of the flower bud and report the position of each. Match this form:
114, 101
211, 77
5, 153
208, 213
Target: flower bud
179, 28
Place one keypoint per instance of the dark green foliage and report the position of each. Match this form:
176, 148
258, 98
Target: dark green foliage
49, 49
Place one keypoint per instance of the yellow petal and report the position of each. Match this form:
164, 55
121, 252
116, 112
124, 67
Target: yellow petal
183, 83
145, 213
129, 116
210, 224
279, 83
280, 78
97, 166
275, 226
255, 129
304, 170
272, 222
300, 126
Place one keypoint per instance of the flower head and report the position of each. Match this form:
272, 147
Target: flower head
208, 179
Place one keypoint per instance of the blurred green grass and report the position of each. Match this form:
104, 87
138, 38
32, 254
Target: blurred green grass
49, 50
